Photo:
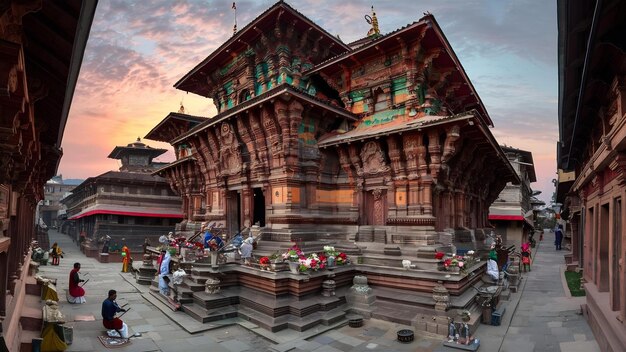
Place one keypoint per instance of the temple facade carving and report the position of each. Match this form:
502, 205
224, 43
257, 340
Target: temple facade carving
311, 131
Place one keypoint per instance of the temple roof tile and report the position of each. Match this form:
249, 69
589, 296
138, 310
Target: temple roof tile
246, 35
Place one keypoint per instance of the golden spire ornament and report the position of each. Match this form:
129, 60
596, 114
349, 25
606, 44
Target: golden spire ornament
374, 31
234, 7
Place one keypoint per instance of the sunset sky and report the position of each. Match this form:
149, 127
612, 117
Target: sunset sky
137, 50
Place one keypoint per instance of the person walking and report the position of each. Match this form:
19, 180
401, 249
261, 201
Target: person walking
558, 237
115, 326
127, 261
526, 257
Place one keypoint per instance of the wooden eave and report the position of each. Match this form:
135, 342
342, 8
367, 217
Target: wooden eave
119, 152
54, 41
283, 89
180, 161
159, 132
195, 81
379, 131
527, 157
606, 59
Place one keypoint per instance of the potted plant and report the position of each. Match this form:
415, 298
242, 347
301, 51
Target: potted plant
264, 263
331, 255
341, 259
294, 255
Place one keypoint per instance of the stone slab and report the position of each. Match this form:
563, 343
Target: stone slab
471, 347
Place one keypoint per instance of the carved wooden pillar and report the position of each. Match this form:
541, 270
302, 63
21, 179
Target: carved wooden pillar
397, 195
281, 111
213, 150
258, 136
460, 209
353, 151
453, 134
344, 162
246, 138
295, 119
434, 150
274, 138
247, 200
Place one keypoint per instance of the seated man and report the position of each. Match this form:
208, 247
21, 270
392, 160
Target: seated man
76, 294
492, 266
116, 327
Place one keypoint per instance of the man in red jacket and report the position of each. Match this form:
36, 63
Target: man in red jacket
76, 293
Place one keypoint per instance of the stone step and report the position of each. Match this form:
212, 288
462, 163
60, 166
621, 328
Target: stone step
165, 301
32, 314
378, 259
204, 315
216, 300
26, 339
292, 322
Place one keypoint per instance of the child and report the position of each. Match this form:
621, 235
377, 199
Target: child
526, 256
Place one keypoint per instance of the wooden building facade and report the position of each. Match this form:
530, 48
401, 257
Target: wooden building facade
41, 49
592, 157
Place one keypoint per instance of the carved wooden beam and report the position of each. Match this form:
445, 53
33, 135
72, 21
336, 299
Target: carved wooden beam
11, 20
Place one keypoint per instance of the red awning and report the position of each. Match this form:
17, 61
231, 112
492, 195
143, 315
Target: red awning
506, 217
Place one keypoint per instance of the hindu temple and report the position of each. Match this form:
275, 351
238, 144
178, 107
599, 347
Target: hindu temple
380, 148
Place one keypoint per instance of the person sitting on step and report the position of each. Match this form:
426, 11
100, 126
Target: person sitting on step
76, 293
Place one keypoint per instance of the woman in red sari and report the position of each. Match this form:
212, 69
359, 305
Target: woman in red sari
127, 260
76, 293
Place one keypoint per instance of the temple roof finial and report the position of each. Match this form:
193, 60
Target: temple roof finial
374, 31
234, 7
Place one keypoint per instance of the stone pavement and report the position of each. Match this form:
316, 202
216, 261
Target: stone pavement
541, 317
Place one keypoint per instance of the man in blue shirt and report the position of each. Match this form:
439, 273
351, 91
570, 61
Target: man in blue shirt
116, 327
213, 242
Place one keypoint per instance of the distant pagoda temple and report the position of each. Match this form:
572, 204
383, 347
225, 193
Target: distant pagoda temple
128, 205
381, 148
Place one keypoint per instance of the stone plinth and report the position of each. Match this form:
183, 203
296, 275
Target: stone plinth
361, 297
212, 285
146, 271
441, 297
328, 288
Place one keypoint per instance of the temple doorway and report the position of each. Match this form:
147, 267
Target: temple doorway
375, 207
234, 212
259, 207
617, 251
603, 245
